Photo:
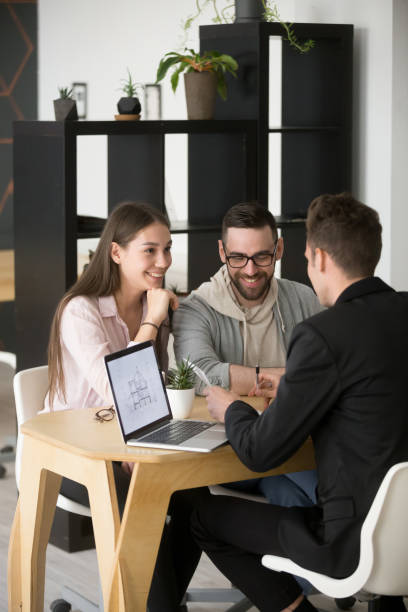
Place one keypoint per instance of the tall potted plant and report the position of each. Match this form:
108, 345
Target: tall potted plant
204, 76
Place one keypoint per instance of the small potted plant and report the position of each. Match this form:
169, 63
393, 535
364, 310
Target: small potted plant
204, 76
65, 108
129, 106
180, 389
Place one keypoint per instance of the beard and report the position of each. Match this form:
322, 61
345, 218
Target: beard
249, 293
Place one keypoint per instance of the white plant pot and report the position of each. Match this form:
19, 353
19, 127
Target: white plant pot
181, 402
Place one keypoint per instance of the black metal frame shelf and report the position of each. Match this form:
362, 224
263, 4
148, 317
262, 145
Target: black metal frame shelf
227, 157
47, 226
315, 91
93, 229
305, 128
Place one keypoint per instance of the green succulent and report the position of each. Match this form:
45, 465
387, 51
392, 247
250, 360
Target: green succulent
182, 376
130, 87
65, 93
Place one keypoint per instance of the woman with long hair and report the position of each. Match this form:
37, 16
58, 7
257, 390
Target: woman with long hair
117, 299
120, 298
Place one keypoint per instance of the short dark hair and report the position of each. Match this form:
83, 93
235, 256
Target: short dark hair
249, 215
348, 230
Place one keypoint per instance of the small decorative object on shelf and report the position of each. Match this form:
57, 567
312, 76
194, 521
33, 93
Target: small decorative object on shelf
205, 75
65, 108
249, 10
79, 93
129, 106
152, 102
180, 389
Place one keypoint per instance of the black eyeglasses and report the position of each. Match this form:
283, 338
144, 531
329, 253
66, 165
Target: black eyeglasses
261, 260
105, 414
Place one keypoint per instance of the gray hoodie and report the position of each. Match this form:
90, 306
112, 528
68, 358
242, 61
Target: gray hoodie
209, 326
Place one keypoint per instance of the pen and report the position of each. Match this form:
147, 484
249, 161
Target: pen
257, 376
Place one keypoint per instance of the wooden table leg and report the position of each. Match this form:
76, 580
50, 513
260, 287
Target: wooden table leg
37, 485
140, 533
14, 564
106, 524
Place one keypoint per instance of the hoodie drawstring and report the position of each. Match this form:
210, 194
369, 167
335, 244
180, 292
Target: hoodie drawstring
283, 328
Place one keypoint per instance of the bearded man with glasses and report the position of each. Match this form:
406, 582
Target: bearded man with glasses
241, 321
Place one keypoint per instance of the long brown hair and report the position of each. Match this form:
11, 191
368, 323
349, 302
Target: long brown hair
101, 277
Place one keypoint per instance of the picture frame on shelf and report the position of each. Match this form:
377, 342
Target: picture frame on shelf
80, 94
153, 102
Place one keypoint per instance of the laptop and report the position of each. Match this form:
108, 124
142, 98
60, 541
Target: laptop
143, 408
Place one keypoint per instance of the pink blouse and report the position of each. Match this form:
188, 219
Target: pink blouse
90, 329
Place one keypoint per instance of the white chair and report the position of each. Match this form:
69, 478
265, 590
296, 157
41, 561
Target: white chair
30, 387
383, 565
8, 368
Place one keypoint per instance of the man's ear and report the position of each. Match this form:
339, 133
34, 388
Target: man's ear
279, 249
115, 252
320, 261
221, 251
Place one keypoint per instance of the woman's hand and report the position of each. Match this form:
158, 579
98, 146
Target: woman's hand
158, 302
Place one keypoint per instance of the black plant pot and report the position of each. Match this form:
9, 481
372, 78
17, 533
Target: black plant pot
129, 106
249, 10
65, 109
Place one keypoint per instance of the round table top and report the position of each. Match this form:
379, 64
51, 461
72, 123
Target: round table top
79, 432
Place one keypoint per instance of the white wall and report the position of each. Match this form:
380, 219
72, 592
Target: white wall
399, 155
380, 117
96, 40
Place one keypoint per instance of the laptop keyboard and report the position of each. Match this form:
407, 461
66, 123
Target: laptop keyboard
176, 432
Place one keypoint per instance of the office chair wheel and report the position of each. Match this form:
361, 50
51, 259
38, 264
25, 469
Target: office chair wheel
60, 605
345, 603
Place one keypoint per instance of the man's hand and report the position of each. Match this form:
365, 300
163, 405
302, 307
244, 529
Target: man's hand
218, 400
267, 387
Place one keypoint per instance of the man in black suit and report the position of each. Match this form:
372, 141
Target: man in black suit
345, 386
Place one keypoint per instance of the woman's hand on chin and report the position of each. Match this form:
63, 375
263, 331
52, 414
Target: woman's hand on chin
158, 302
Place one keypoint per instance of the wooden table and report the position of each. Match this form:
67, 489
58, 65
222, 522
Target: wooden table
72, 444
6, 276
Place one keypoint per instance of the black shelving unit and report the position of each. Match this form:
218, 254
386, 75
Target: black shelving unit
222, 171
316, 115
227, 157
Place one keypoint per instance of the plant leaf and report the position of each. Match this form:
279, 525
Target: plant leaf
165, 64
175, 76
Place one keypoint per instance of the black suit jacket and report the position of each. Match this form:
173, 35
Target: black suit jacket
346, 385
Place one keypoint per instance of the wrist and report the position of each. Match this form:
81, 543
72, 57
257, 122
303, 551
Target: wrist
153, 318
150, 324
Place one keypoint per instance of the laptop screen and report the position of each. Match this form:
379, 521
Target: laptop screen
137, 387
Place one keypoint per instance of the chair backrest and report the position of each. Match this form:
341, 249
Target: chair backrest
8, 358
30, 388
384, 535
